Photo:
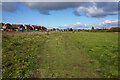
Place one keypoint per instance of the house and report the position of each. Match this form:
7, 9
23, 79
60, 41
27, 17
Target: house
17, 27
62, 30
15, 30
5, 27
1, 29
37, 28
44, 28
22, 28
28, 27
9, 29
33, 27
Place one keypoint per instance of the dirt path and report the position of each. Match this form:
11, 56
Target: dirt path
61, 57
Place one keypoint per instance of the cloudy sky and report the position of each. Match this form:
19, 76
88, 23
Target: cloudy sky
81, 15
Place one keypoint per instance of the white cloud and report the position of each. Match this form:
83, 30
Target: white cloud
107, 23
91, 11
98, 10
77, 25
65, 25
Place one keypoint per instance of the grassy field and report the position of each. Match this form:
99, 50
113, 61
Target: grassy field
60, 55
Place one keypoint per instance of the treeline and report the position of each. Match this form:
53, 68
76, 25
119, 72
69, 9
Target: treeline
20, 27
113, 29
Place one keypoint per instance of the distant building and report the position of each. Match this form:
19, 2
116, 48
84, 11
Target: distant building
9, 30
33, 27
27, 27
17, 27
4, 26
7, 27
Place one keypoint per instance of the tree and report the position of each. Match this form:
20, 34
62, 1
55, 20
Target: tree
92, 28
70, 29
1, 24
9, 26
13, 27
54, 29
115, 29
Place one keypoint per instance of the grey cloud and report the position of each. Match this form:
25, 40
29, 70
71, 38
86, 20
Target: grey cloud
48, 6
76, 13
43, 7
89, 9
108, 6
45, 12
54, 5
9, 6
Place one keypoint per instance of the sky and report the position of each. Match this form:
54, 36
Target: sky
77, 15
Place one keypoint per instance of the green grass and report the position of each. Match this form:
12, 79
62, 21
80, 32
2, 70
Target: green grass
56, 55
19, 53
102, 49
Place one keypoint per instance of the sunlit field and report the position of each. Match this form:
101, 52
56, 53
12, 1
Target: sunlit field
59, 55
